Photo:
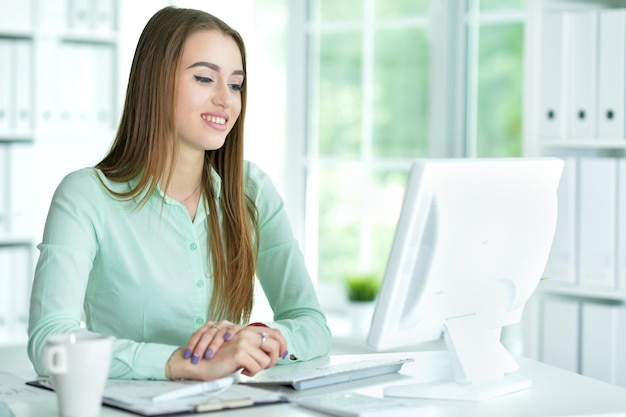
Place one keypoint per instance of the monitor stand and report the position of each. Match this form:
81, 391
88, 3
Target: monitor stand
482, 367
452, 390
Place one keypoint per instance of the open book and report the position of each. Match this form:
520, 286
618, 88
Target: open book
138, 396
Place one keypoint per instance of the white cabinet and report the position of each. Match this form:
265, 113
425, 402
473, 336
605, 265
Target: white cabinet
575, 100
58, 111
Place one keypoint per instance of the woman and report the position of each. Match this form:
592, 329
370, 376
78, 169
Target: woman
158, 245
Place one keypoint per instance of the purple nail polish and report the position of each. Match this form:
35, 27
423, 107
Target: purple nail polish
187, 354
227, 336
208, 354
285, 354
195, 358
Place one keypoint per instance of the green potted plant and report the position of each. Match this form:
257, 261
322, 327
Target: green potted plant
361, 290
362, 287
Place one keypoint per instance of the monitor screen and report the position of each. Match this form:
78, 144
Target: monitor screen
471, 245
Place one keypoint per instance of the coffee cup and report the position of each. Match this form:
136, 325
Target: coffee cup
78, 365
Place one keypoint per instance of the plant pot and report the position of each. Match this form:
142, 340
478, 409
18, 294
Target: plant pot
360, 317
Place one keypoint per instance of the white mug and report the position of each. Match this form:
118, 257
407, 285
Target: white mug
78, 364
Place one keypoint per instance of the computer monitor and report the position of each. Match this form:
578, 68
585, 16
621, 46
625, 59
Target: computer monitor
470, 247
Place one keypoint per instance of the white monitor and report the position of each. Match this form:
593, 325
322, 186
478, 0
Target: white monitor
471, 245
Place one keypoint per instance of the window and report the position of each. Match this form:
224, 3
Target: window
388, 82
368, 95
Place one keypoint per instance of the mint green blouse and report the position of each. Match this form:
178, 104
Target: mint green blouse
143, 276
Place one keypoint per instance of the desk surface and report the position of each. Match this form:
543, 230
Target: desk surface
554, 392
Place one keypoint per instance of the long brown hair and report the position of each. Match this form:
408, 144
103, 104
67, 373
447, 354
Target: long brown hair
146, 145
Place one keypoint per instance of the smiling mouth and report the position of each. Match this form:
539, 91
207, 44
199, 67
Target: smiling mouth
214, 119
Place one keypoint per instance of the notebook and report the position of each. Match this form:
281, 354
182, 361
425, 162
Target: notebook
323, 372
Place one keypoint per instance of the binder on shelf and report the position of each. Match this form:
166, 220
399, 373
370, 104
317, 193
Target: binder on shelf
50, 96
69, 88
621, 225
21, 201
581, 110
138, 397
23, 74
16, 15
561, 265
80, 15
5, 294
612, 74
599, 341
4, 189
620, 360
51, 15
597, 226
83, 102
104, 16
21, 282
552, 78
104, 84
6, 77
560, 332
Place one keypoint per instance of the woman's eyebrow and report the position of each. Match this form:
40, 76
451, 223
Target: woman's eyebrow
213, 67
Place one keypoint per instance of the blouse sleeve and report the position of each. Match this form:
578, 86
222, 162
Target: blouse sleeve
283, 275
67, 252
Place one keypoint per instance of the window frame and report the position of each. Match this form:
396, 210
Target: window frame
453, 27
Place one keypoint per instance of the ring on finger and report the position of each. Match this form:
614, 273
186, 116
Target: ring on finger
263, 338
214, 326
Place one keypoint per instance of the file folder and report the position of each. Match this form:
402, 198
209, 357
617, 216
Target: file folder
135, 396
599, 342
6, 89
16, 15
4, 188
612, 74
24, 80
620, 362
621, 226
552, 93
597, 236
51, 14
104, 16
561, 265
581, 111
560, 333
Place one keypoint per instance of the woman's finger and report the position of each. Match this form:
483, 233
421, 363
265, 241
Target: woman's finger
198, 343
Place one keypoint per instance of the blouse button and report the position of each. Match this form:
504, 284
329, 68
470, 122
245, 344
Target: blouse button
193, 246
200, 283
199, 320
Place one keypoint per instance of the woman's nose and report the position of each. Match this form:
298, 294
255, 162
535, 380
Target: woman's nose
222, 94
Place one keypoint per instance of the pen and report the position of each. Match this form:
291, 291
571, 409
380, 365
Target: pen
210, 387
222, 405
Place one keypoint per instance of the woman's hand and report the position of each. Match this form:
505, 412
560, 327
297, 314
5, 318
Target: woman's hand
250, 349
207, 340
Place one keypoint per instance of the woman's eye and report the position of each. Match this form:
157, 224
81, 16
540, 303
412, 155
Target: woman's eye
235, 87
204, 80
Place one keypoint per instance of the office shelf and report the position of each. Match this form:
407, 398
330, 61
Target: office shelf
584, 293
58, 109
574, 109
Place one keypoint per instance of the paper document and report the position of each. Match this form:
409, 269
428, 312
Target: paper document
203, 388
138, 396
14, 390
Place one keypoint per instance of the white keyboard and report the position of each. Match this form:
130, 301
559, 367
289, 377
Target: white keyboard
300, 377
352, 404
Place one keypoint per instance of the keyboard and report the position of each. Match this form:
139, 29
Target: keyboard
307, 375
351, 404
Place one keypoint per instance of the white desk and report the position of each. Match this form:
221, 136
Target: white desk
555, 392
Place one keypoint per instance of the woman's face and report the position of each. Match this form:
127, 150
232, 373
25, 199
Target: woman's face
208, 98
